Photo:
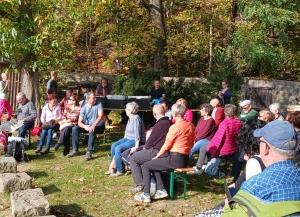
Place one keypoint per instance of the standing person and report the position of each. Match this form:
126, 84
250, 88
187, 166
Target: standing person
90, 121
4, 103
225, 94
173, 154
51, 114
103, 88
157, 93
52, 85
26, 111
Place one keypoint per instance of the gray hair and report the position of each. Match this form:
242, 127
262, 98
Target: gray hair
132, 108
178, 109
20, 95
289, 152
230, 110
89, 94
275, 106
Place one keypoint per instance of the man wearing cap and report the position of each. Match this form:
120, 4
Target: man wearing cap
248, 113
280, 181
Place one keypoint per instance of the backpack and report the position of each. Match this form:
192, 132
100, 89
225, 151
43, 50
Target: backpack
212, 167
16, 148
244, 205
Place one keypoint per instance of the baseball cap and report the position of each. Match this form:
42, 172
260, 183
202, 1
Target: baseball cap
245, 102
278, 133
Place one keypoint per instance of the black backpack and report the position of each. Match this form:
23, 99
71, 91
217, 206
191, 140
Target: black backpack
16, 149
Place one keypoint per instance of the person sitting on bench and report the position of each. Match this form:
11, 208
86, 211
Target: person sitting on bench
90, 121
173, 154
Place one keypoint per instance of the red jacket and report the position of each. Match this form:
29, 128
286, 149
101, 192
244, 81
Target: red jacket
218, 115
224, 141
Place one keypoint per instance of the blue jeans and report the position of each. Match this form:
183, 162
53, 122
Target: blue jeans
76, 130
200, 143
116, 150
46, 135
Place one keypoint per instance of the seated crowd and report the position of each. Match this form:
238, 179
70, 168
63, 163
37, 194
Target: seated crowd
261, 145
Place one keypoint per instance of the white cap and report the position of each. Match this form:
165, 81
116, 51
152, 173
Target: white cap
245, 102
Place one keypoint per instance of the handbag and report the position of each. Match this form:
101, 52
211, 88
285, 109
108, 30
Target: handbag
36, 131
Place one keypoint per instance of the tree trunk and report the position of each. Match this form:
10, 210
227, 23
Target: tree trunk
156, 11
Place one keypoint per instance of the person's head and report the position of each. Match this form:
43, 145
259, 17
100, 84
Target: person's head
166, 105
214, 102
246, 106
277, 141
73, 99
53, 75
158, 111
225, 84
21, 98
266, 116
104, 82
294, 119
91, 98
206, 109
183, 102
69, 93
275, 108
4, 76
178, 110
230, 110
131, 108
156, 84
52, 102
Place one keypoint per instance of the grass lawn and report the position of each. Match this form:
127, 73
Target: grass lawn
75, 187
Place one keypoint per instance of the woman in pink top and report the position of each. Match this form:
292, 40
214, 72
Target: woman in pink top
224, 141
188, 114
51, 114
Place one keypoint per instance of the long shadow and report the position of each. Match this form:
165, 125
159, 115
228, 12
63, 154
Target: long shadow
50, 189
37, 174
69, 210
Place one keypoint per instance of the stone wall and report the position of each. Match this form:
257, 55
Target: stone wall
281, 91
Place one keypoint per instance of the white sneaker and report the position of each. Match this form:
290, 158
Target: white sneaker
160, 194
143, 197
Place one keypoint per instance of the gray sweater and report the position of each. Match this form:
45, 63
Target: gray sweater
135, 129
26, 112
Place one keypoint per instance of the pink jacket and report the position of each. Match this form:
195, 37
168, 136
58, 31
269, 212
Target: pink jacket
224, 141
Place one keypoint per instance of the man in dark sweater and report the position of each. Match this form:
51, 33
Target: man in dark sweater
151, 148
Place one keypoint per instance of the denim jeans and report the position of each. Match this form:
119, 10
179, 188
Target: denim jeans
76, 130
198, 145
46, 135
116, 150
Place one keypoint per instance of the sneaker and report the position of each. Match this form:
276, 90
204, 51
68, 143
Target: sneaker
136, 189
72, 154
88, 156
116, 174
196, 171
160, 194
38, 150
143, 197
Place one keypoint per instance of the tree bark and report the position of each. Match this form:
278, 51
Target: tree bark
156, 11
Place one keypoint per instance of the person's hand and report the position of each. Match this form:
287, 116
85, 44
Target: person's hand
86, 127
132, 150
155, 157
91, 129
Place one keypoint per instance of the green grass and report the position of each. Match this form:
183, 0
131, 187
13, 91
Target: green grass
75, 187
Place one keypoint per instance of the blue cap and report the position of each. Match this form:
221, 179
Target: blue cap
280, 134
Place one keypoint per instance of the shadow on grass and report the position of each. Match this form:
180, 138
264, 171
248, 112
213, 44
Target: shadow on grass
48, 156
50, 189
70, 210
37, 174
